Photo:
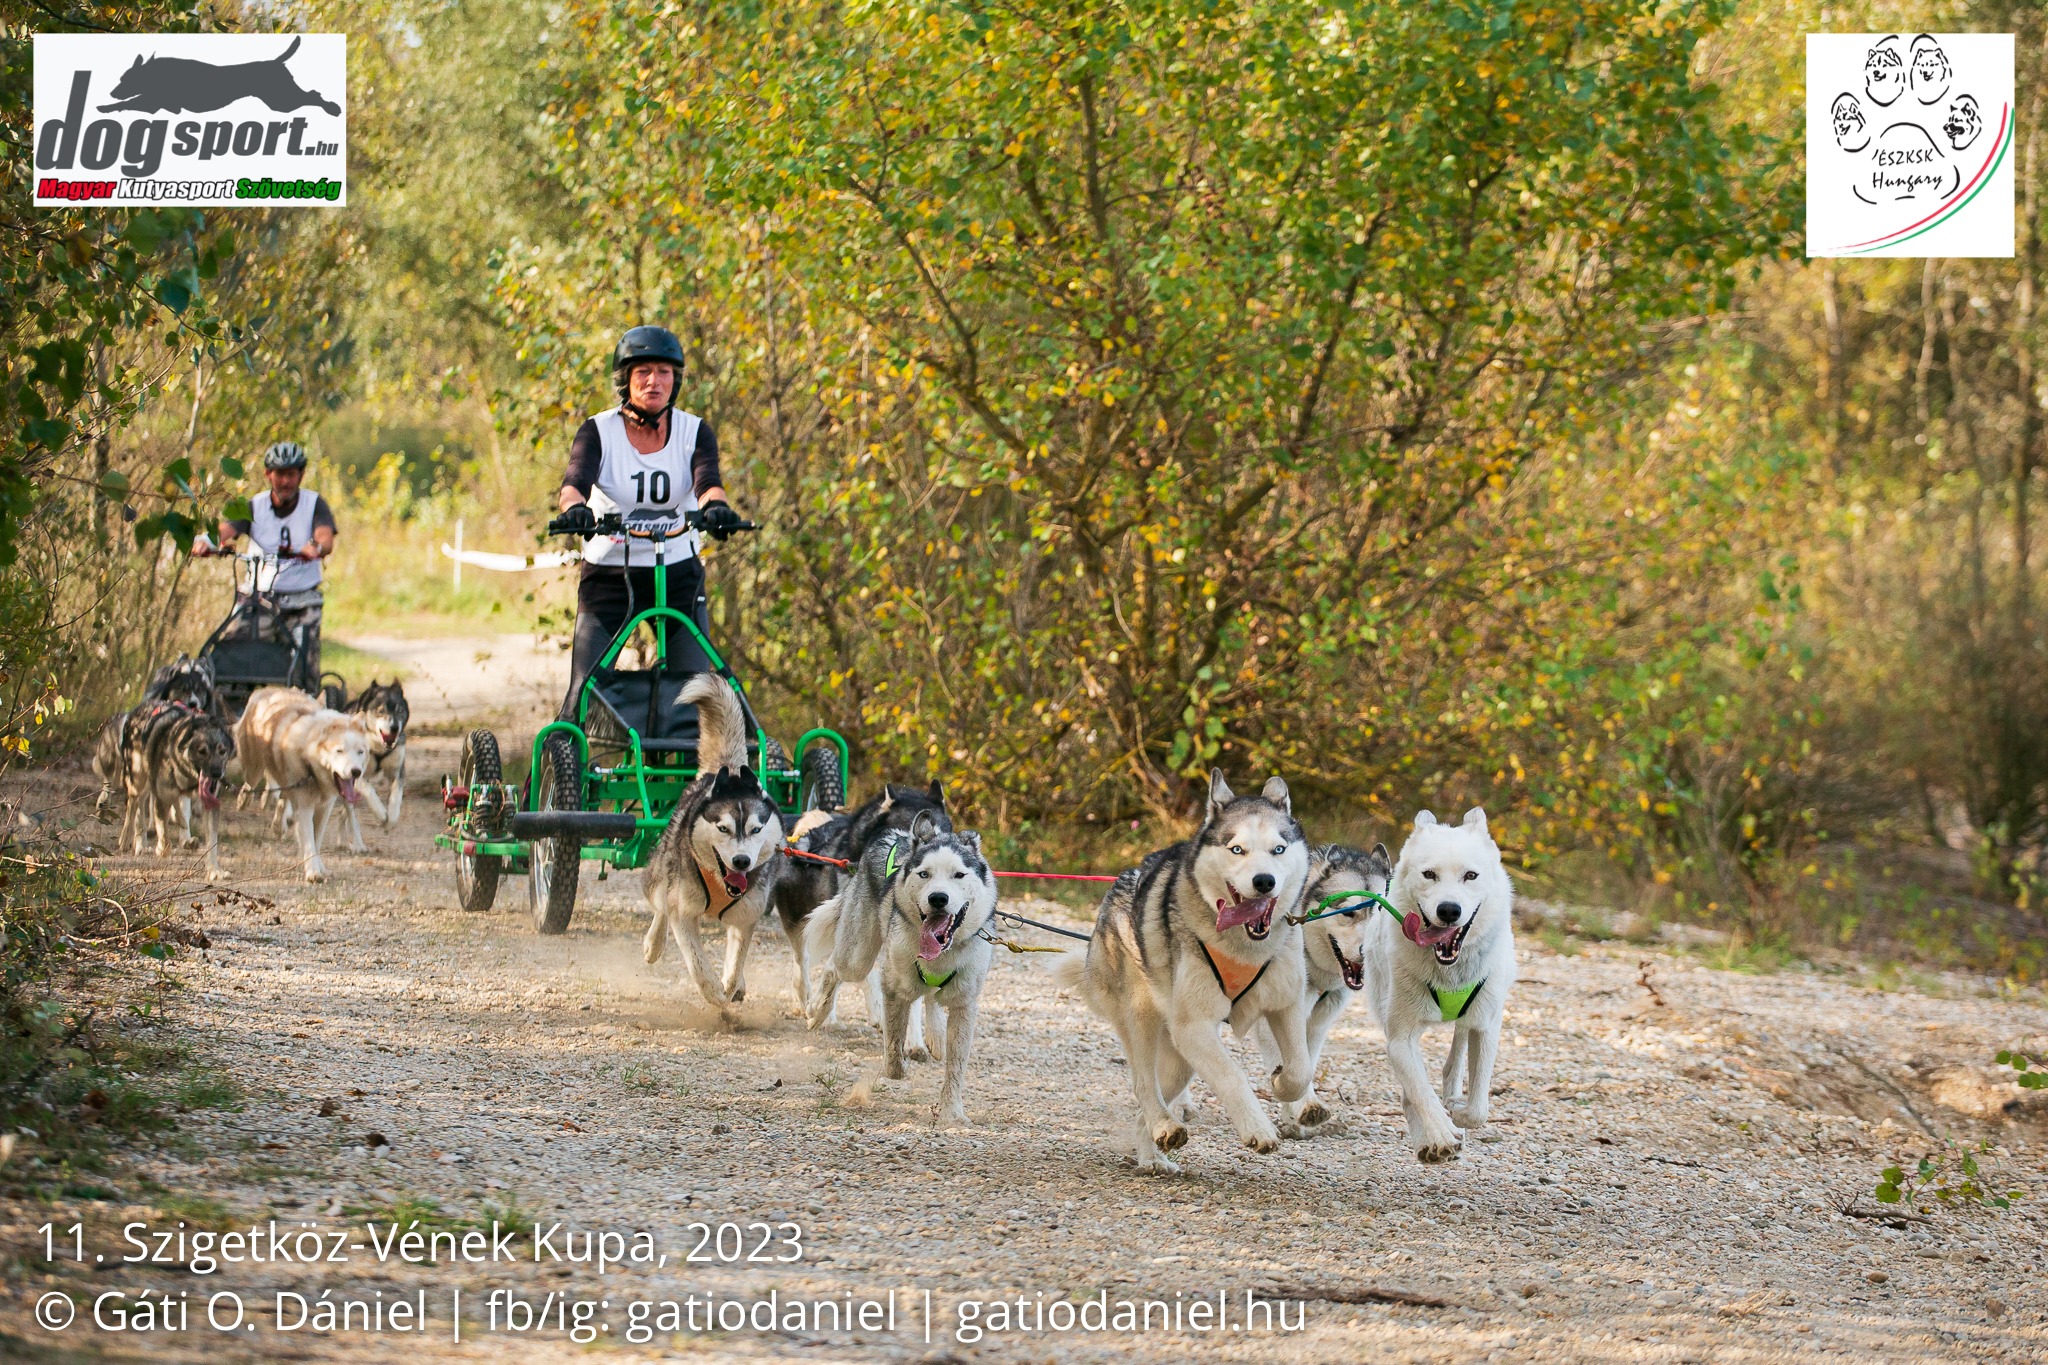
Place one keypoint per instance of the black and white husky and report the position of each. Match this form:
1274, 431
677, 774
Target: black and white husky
801, 886
1333, 951
717, 859
385, 713
1195, 936
186, 682
917, 903
1449, 960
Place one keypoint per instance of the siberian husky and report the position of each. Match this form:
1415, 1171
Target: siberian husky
313, 756
385, 713
1333, 937
918, 902
1449, 959
1197, 935
717, 858
802, 885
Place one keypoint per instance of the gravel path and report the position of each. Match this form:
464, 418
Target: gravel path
1663, 1182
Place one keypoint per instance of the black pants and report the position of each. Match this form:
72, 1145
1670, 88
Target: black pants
603, 606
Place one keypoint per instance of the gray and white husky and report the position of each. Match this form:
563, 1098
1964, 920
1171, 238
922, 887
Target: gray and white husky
1450, 959
1197, 935
717, 859
385, 713
1333, 952
918, 902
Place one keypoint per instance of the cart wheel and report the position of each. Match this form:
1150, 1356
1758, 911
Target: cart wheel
824, 779
778, 757
551, 883
476, 874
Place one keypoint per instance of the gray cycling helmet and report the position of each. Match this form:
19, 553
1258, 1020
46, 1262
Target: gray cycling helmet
285, 455
645, 343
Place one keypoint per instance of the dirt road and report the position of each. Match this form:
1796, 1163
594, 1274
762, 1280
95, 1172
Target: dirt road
1665, 1180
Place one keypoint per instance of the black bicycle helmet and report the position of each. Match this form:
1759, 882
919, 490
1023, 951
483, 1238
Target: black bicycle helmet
645, 343
285, 455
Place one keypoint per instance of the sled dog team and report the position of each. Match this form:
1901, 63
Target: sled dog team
175, 746
1246, 922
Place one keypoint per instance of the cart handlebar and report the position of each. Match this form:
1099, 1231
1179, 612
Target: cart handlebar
612, 524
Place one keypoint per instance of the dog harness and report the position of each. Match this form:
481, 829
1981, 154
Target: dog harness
1234, 977
1453, 1001
715, 891
924, 975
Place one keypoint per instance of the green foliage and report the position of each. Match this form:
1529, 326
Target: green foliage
2031, 1074
1179, 384
1952, 1175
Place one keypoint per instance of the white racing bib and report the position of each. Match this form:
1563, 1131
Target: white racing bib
268, 530
639, 487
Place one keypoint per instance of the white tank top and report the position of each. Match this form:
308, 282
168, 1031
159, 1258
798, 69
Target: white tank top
650, 485
267, 530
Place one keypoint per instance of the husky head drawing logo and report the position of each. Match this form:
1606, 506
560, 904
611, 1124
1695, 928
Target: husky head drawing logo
737, 830
1250, 856
1448, 882
343, 750
203, 747
384, 710
1964, 122
1884, 72
1336, 943
1928, 73
946, 886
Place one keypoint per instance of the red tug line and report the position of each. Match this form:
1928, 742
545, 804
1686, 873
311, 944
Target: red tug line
842, 864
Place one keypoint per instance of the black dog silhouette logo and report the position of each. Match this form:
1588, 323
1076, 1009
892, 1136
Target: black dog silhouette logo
180, 85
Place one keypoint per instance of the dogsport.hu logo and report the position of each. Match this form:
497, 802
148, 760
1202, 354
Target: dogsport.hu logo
220, 119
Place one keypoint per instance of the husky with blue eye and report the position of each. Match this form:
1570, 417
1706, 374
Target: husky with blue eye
717, 859
918, 903
1196, 936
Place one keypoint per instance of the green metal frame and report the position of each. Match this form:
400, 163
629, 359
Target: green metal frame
633, 781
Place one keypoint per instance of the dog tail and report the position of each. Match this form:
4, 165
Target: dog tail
287, 56
810, 820
1070, 969
721, 725
821, 932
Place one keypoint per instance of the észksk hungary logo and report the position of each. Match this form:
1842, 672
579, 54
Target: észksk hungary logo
224, 119
1909, 140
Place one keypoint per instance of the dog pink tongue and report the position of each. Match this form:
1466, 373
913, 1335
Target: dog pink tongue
1426, 936
930, 945
348, 790
735, 882
209, 795
1231, 914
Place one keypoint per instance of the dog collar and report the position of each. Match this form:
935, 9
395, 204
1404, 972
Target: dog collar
1453, 1001
1232, 976
924, 975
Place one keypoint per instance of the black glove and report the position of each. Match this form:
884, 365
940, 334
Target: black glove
718, 519
577, 520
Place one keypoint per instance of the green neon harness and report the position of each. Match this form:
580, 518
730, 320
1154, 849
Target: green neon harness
1451, 1003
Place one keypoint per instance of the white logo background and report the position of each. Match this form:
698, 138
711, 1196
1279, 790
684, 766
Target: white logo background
1908, 144
263, 107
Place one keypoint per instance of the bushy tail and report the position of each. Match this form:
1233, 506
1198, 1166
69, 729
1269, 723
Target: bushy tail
721, 725
1070, 969
808, 821
821, 932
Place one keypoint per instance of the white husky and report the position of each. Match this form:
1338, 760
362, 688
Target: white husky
1450, 959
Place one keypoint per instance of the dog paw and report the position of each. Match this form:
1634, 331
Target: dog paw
1264, 1138
1469, 1116
216, 876
1288, 1090
736, 993
1313, 1115
1434, 1147
314, 874
894, 1071
919, 1053
1158, 1164
955, 1115
1290, 1131
1169, 1136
